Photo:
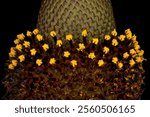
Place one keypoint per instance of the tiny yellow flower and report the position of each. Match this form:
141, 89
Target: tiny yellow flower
121, 37
95, 41
12, 52
53, 33
39, 37
16, 41
100, 63
114, 42
29, 33
73, 63
125, 55
21, 36
66, 54
10, 66
26, 44
137, 47
136, 43
19, 47
69, 37
107, 37
139, 59
14, 62
45, 47
141, 53
114, 32
105, 50
39, 62
132, 51
120, 65
134, 38
115, 60
52, 61
21, 58
91, 55
35, 31
81, 47
128, 34
59, 43
33, 51
84, 33
131, 62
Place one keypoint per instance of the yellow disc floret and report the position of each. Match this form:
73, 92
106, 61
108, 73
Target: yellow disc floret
45, 47
73, 63
52, 61
59, 43
53, 33
66, 54
33, 51
105, 50
100, 63
95, 41
21, 58
115, 60
69, 37
91, 55
39, 62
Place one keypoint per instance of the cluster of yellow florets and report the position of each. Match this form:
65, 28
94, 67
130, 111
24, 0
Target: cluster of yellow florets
28, 46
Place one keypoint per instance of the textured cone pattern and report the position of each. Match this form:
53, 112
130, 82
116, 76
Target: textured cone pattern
72, 16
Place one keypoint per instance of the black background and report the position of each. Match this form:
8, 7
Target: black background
18, 16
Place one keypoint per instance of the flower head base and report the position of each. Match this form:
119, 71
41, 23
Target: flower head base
66, 54
33, 51
35, 31
91, 55
69, 37
39, 62
39, 37
100, 63
115, 60
21, 58
114, 42
81, 47
107, 37
21, 36
52, 61
45, 47
84, 33
59, 43
73, 63
114, 32
95, 41
105, 50
91, 62
53, 33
